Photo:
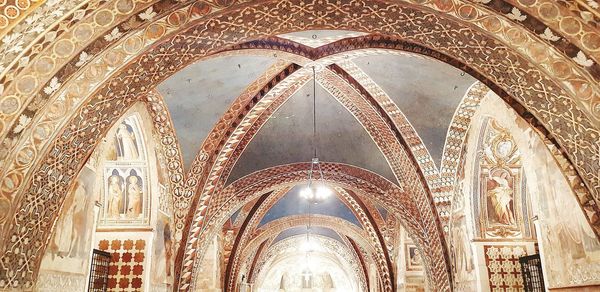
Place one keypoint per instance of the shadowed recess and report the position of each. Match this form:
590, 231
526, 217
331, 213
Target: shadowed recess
292, 204
300, 230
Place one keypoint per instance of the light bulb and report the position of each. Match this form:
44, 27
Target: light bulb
311, 245
323, 192
307, 193
307, 246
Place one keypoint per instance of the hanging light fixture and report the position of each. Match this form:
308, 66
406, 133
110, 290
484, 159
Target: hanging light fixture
316, 189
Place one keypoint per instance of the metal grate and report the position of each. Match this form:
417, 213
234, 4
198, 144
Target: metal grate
531, 269
99, 271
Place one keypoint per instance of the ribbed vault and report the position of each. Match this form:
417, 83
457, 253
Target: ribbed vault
282, 249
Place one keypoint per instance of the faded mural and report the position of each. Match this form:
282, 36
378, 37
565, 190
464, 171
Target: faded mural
521, 182
410, 271
163, 256
413, 258
110, 203
491, 210
461, 249
569, 246
129, 188
66, 261
500, 207
125, 192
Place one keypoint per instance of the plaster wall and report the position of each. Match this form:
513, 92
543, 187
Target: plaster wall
570, 253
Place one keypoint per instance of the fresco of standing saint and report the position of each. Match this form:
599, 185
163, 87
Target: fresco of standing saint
501, 198
115, 195
126, 144
134, 195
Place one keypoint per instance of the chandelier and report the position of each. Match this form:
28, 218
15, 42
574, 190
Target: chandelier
316, 189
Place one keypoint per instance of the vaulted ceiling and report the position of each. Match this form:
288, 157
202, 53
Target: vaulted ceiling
426, 91
69, 72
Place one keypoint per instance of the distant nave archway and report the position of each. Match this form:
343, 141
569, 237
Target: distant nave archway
368, 217
333, 265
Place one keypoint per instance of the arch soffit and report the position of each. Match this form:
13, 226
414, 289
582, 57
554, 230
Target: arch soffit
560, 18
453, 128
561, 11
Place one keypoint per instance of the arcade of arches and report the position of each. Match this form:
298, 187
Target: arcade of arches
174, 138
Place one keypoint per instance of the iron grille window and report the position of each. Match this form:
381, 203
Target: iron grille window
531, 269
99, 271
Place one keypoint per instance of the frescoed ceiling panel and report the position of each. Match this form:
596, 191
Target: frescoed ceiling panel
299, 230
426, 91
235, 214
383, 211
198, 95
287, 137
293, 204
